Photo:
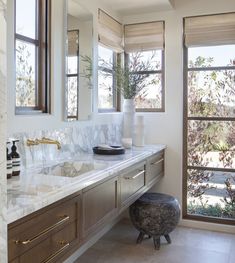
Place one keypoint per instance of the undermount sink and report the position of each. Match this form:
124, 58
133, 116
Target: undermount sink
72, 169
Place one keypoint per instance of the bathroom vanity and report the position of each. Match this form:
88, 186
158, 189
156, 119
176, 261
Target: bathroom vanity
51, 216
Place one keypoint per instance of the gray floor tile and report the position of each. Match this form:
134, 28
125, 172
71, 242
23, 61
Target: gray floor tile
188, 246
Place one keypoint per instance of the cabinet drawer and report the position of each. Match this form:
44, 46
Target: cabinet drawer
132, 181
155, 167
51, 249
29, 233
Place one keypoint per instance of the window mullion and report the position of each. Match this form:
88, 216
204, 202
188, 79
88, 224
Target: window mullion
27, 39
146, 72
211, 68
199, 118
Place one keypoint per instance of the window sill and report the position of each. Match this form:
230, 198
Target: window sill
109, 113
30, 113
150, 110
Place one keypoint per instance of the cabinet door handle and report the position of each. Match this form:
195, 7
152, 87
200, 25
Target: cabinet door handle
157, 162
53, 256
43, 232
134, 176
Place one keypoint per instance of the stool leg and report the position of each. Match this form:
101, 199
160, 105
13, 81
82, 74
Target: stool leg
140, 238
156, 242
168, 239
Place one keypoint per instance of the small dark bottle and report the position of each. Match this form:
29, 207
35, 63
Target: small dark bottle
15, 159
9, 164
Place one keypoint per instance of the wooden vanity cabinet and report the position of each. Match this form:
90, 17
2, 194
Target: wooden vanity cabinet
100, 205
53, 233
46, 235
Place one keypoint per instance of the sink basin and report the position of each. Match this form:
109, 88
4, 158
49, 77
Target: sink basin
72, 169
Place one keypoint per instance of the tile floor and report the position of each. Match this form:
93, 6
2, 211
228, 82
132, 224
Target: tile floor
188, 246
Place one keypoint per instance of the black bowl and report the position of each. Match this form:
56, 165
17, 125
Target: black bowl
116, 150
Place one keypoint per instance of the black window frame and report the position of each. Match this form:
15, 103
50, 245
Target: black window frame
186, 119
42, 43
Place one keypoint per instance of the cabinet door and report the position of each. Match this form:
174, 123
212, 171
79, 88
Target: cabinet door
132, 181
32, 239
52, 249
100, 205
155, 168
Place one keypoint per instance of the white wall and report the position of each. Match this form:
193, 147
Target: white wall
56, 118
167, 127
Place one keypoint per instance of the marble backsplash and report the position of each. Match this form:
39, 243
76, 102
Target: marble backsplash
74, 140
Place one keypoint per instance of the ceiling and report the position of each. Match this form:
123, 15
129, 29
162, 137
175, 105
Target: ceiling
125, 7
78, 11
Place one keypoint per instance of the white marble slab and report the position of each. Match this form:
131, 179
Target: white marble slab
33, 191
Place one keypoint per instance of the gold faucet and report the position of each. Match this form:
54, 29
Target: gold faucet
44, 140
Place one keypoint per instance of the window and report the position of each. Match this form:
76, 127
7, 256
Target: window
107, 94
144, 49
32, 55
72, 74
209, 119
150, 98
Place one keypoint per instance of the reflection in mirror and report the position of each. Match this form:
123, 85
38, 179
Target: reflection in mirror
78, 61
72, 74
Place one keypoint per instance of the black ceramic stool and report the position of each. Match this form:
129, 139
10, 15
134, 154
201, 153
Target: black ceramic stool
155, 215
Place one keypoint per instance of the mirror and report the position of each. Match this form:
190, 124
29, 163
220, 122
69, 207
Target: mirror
78, 70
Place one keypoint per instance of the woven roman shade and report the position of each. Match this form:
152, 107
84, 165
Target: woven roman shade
110, 32
210, 30
73, 45
144, 36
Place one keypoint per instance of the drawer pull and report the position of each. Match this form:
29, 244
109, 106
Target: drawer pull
53, 256
45, 231
134, 176
157, 162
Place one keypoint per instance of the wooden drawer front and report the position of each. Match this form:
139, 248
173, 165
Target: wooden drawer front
132, 181
155, 167
99, 203
30, 232
51, 249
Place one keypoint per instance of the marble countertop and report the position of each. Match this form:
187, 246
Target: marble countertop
32, 191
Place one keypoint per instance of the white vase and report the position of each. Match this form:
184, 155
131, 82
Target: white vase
128, 118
